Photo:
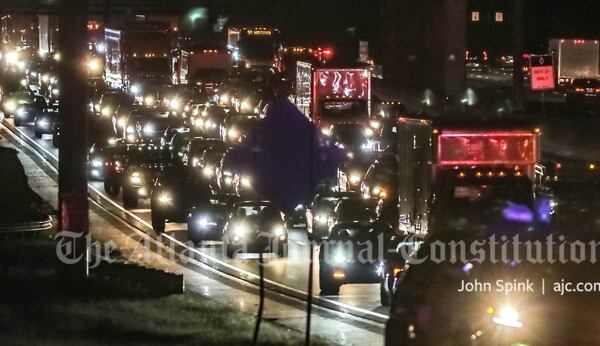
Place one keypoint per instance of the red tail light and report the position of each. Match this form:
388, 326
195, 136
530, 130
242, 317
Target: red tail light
579, 90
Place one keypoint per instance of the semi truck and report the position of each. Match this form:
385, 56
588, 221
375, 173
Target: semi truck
331, 95
255, 47
138, 52
575, 58
427, 159
203, 66
457, 176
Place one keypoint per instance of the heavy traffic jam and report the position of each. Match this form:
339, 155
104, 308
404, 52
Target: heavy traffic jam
438, 213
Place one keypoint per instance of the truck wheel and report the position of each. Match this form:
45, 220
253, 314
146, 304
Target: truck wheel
37, 134
111, 187
230, 250
17, 122
158, 222
282, 250
328, 286
384, 291
130, 199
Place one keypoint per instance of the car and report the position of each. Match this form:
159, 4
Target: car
174, 195
237, 125
319, 210
143, 165
104, 161
111, 100
207, 221
208, 119
255, 226
148, 125
584, 90
352, 209
352, 254
28, 108
196, 147
177, 139
209, 161
43, 123
225, 173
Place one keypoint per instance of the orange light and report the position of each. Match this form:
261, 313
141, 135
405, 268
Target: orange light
579, 90
436, 131
592, 166
558, 165
339, 275
501, 174
518, 174
537, 130
461, 174
490, 310
490, 174
396, 271
478, 174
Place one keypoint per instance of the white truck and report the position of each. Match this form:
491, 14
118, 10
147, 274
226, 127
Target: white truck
575, 58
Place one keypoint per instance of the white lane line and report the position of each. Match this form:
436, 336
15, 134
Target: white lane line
213, 259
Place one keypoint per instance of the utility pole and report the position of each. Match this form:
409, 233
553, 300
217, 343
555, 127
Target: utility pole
518, 87
72, 179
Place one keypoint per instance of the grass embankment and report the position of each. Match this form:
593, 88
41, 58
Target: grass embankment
42, 303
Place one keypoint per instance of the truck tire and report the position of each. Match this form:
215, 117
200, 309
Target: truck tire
130, 198
111, 187
230, 250
282, 250
384, 291
37, 134
328, 286
158, 222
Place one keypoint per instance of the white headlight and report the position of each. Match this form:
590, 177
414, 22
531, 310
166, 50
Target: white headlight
96, 163
130, 129
106, 111
245, 105
43, 123
10, 106
245, 182
112, 141
135, 89
148, 129
136, 179
233, 134
165, 199
208, 172
321, 219
175, 104
279, 231
339, 258
508, 317
354, 179
240, 230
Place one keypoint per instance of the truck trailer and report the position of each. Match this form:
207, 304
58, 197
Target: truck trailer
575, 58
138, 52
333, 95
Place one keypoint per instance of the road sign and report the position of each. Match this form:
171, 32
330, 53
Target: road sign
542, 72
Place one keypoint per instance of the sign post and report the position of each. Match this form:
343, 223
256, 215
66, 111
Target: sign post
542, 76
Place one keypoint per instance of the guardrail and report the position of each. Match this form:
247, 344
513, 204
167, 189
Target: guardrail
223, 267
